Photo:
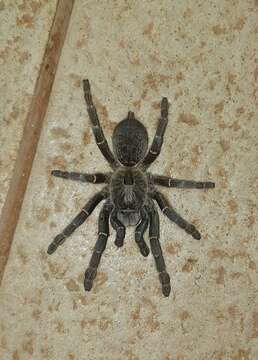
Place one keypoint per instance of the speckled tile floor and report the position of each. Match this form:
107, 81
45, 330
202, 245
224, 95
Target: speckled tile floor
24, 28
203, 56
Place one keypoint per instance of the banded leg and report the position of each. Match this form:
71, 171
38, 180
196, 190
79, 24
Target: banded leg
96, 127
156, 250
77, 221
97, 178
175, 217
139, 231
103, 234
180, 183
119, 227
156, 145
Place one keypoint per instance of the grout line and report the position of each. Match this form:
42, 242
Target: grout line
32, 129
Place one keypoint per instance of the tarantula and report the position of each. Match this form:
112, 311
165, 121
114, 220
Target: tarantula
130, 191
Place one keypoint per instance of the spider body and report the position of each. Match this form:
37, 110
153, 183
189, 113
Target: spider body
130, 192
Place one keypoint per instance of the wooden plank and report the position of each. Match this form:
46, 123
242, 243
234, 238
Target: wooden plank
32, 129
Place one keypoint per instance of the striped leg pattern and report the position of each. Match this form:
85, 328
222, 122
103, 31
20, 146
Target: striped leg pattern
97, 178
182, 184
156, 145
96, 127
77, 221
157, 251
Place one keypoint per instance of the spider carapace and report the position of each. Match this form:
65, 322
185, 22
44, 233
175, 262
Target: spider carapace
130, 192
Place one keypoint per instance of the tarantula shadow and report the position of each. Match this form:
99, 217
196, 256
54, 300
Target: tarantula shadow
130, 192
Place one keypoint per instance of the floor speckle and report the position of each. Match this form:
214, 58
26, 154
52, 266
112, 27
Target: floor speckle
201, 55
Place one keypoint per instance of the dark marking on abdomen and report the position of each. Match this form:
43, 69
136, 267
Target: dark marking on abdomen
129, 218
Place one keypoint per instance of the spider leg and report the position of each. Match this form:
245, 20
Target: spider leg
96, 127
156, 250
180, 183
103, 234
140, 230
77, 221
119, 227
175, 217
156, 145
97, 178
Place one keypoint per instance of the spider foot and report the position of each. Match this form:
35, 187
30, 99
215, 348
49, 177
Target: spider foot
144, 250
52, 248
119, 242
57, 173
166, 289
191, 229
86, 84
143, 247
120, 235
58, 240
88, 285
209, 185
165, 282
87, 92
90, 275
164, 107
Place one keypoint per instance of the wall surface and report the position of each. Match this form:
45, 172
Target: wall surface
202, 56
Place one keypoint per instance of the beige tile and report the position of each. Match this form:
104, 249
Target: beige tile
201, 55
24, 27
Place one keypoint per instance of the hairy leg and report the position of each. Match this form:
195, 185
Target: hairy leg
139, 232
156, 145
97, 178
77, 221
180, 183
119, 227
157, 251
96, 127
175, 217
103, 234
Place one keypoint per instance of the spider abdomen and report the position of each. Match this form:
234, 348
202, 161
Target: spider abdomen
128, 189
130, 141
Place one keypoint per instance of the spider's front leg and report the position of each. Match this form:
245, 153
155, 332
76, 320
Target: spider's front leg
97, 178
156, 145
174, 216
157, 251
77, 221
96, 127
103, 234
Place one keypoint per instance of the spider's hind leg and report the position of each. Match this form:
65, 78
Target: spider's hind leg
156, 250
103, 234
